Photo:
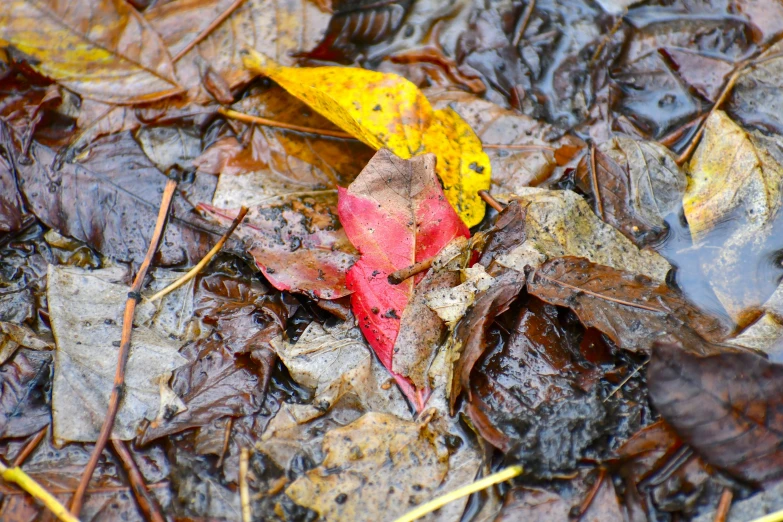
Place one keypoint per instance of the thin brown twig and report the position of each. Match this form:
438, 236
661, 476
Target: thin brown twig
193, 272
595, 294
122, 356
519, 30
724, 505
211, 27
29, 447
226, 441
244, 491
402, 274
247, 118
594, 180
624, 381
592, 493
489, 200
147, 502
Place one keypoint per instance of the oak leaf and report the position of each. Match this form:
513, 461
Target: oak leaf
385, 110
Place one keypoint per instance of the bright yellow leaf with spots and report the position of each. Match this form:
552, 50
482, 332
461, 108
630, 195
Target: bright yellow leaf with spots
386, 110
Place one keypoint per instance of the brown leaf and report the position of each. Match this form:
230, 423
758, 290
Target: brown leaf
104, 50
24, 408
638, 185
725, 406
470, 333
110, 201
12, 210
632, 310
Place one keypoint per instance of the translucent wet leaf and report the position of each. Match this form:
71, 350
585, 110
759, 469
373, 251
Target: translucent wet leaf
385, 110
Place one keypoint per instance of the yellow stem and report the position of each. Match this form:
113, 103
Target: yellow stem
24, 481
777, 516
496, 478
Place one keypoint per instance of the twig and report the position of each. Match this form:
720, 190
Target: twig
122, 356
402, 274
594, 182
226, 441
193, 272
247, 118
724, 505
211, 27
595, 294
489, 200
496, 478
628, 378
147, 503
24, 481
519, 30
592, 493
244, 492
29, 447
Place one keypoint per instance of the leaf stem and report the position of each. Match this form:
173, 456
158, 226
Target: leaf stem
724, 505
489, 200
244, 491
496, 478
24, 481
193, 272
247, 118
147, 503
211, 27
402, 274
122, 356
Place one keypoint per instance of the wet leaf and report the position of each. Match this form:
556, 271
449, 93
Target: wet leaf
632, 310
493, 124
86, 310
638, 185
299, 244
93, 49
451, 303
543, 224
24, 380
396, 215
469, 337
755, 100
13, 336
385, 110
375, 468
724, 406
11, 207
534, 395
110, 201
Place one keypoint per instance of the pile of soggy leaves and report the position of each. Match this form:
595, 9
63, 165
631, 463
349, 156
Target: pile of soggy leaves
611, 322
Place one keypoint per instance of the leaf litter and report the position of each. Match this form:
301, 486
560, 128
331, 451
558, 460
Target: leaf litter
613, 324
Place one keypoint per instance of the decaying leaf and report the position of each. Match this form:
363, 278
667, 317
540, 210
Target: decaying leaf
725, 406
23, 381
92, 48
632, 310
543, 224
396, 215
385, 110
755, 100
13, 336
451, 303
299, 243
110, 201
377, 467
86, 310
638, 185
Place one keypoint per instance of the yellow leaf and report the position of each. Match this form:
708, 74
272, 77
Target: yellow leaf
103, 50
386, 110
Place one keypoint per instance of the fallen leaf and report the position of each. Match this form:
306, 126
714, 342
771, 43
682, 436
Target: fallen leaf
12, 211
298, 244
86, 310
385, 110
360, 476
13, 336
531, 396
93, 49
24, 380
632, 310
396, 215
638, 185
724, 406
110, 201
529, 156
755, 100
543, 224
170, 146
469, 337
451, 303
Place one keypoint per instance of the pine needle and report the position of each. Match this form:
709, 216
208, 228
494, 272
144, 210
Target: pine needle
24, 481
496, 478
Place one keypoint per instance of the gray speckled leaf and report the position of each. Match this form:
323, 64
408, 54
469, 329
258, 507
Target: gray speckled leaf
86, 309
